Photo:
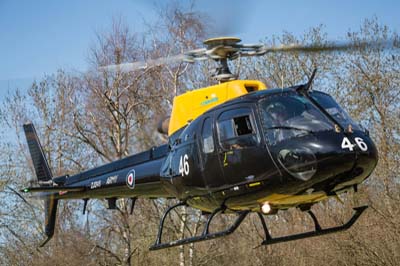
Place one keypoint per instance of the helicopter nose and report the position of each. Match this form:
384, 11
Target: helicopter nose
314, 157
336, 158
348, 164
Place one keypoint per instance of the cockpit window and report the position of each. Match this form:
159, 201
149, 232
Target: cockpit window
290, 115
243, 125
334, 109
206, 133
236, 130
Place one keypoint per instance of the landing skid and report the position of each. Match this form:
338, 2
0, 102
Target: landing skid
206, 235
317, 232
269, 240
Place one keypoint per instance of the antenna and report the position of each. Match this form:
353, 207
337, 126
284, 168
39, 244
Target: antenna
306, 87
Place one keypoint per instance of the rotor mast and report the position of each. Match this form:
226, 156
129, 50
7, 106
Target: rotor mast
220, 50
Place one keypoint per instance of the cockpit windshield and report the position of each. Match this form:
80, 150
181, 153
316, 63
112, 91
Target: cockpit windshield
288, 114
334, 109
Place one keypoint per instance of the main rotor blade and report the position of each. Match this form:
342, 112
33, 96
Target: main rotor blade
127, 67
231, 51
329, 47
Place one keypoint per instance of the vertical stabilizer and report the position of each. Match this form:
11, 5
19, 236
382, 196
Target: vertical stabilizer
40, 164
44, 176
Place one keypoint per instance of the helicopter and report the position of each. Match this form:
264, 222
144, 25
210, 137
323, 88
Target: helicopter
233, 148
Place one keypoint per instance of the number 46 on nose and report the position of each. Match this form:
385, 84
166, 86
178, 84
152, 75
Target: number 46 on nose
346, 144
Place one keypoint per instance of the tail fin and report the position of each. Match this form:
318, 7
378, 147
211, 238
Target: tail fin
44, 177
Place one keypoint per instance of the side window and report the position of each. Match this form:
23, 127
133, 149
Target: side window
226, 129
243, 125
236, 129
207, 136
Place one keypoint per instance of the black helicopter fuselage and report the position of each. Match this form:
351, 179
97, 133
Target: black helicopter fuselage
285, 147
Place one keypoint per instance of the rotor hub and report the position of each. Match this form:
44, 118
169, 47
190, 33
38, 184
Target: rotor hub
224, 41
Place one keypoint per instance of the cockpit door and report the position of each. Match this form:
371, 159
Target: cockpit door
210, 167
241, 152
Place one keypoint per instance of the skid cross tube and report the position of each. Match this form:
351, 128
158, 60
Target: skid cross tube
160, 228
206, 228
205, 235
317, 232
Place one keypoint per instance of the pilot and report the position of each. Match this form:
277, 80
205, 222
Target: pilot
278, 113
279, 116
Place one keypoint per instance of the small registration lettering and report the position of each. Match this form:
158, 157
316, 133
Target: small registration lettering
95, 184
111, 179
